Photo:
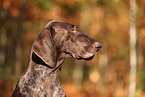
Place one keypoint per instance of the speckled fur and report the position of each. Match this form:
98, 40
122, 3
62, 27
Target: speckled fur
36, 82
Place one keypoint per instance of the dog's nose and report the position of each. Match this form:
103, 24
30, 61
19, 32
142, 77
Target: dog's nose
97, 45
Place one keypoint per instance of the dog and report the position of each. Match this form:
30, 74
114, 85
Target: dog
57, 41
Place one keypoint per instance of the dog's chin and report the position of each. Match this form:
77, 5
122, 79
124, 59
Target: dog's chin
87, 58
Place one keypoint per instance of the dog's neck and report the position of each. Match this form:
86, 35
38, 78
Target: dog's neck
40, 81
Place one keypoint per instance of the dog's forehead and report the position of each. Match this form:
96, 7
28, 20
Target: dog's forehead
63, 25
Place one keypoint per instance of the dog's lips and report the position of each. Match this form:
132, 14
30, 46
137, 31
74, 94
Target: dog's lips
87, 58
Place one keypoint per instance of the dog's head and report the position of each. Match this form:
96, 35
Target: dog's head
59, 40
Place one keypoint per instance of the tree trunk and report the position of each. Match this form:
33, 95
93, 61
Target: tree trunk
18, 40
133, 58
3, 40
3, 37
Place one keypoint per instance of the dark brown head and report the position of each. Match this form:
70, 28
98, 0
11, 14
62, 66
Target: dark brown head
59, 40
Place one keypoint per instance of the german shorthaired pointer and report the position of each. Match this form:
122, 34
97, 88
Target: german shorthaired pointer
57, 41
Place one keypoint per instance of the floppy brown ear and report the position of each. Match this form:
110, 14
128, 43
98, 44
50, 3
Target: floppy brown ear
44, 47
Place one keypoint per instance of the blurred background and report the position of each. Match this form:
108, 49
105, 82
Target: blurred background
108, 21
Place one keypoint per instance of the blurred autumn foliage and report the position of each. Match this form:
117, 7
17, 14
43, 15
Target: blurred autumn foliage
108, 21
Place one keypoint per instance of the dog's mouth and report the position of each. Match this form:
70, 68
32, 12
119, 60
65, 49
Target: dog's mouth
87, 59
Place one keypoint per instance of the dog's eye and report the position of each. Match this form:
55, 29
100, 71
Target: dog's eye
72, 30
